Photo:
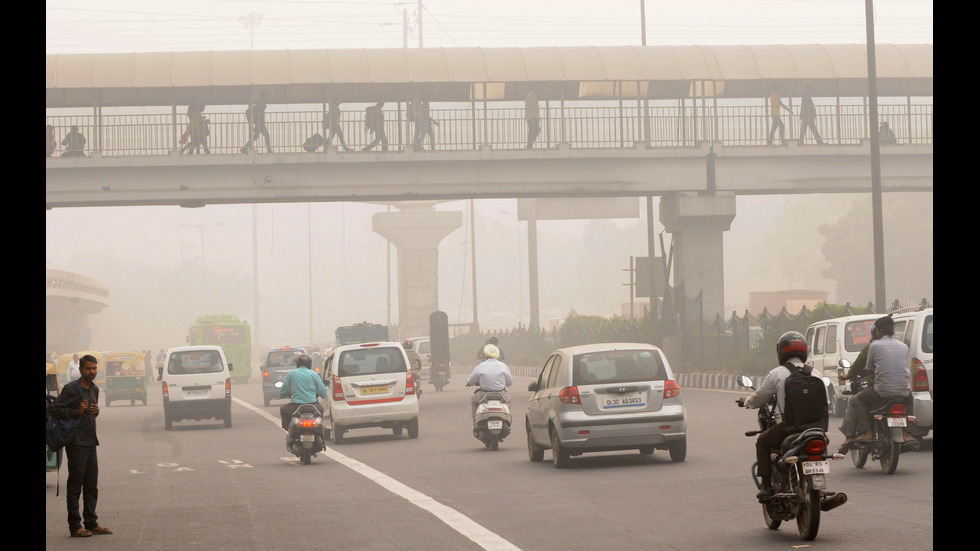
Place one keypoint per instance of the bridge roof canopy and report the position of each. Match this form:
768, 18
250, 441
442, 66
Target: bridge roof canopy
464, 74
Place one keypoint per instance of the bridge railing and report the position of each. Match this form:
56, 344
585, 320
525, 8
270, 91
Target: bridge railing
460, 129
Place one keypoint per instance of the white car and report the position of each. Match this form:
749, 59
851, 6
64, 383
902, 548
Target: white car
369, 385
196, 384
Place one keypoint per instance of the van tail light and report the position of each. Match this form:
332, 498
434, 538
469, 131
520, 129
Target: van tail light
338, 390
569, 395
897, 409
228, 387
671, 389
409, 382
920, 381
166, 391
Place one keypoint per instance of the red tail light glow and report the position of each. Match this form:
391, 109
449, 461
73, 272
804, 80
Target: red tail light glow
815, 447
265, 374
309, 423
671, 389
920, 380
166, 390
228, 387
409, 382
897, 409
338, 390
569, 395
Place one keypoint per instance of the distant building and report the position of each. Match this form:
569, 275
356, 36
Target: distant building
793, 300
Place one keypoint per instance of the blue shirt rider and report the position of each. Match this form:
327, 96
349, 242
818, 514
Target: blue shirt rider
302, 385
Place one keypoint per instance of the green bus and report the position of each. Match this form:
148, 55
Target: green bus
232, 335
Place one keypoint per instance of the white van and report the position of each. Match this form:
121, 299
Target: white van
196, 383
914, 327
831, 340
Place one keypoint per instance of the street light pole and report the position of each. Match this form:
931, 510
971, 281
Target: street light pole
201, 227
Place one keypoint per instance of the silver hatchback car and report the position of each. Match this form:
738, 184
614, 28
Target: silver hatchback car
605, 397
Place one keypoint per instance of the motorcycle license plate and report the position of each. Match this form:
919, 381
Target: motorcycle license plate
896, 422
495, 424
816, 467
307, 438
379, 389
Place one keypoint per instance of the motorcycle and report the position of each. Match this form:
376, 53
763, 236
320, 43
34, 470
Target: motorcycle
306, 434
799, 474
888, 424
439, 376
492, 421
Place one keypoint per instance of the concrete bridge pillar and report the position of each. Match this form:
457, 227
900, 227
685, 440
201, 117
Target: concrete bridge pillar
697, 222
416, 233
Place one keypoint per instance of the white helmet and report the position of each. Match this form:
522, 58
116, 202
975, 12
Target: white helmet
491, 351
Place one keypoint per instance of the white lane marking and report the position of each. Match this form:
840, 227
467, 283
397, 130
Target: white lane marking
451, 517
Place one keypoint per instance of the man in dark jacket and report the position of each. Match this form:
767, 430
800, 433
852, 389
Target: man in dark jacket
80, 400
480, 356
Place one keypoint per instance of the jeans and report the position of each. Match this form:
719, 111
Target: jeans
83, 480
771, 438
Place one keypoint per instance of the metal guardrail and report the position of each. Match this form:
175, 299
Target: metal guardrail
459, 129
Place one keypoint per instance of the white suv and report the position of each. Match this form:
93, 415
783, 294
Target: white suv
914, 327
369, 386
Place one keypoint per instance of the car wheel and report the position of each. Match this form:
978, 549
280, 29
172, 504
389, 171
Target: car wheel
397, 430
228, 419
266, 401
559, 453
534, 452
413, 428
338, 435
168, 421
677, 449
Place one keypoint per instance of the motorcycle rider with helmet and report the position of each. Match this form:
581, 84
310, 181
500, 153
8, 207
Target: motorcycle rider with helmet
492, 375
791, 348
413, 357
302, 385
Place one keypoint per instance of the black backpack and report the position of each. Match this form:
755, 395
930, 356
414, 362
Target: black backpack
806, 400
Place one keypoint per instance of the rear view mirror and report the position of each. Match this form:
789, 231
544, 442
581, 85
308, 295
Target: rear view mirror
742, 380
533, 387
229, 367
844, 363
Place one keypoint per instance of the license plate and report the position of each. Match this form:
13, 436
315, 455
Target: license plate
380, 389
816, 467
307, 438
495, 424
198, 393
896, 421
614, 401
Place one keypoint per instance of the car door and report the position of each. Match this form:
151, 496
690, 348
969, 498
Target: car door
537, 405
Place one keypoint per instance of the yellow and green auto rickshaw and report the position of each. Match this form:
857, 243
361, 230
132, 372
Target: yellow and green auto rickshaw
63, 367
52, 460
125, 374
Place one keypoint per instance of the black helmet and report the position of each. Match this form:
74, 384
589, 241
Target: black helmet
407, 345
492, 340
791, 344
304, 360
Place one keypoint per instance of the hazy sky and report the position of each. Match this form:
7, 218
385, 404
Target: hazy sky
348, 259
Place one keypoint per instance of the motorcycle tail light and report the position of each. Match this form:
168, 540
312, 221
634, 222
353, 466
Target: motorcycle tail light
897, 409
309, 423
409, 382
815, 447
671, 389
338, 390
920, 380
569, 395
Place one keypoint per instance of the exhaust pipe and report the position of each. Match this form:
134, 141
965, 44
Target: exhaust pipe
834, 501
910, 446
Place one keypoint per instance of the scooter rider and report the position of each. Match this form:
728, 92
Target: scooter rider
302, 385
491, 375
791, 347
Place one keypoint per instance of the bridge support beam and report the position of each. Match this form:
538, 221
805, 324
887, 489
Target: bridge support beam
416, 234
696, 222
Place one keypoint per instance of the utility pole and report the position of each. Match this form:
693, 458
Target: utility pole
876, 216
419, 20
630, 284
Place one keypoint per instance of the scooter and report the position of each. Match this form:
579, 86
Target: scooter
799, 474
491, 424
305, 432
888, 424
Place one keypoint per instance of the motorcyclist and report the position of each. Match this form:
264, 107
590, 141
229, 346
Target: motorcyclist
888, 362
858, 369
492, 340
413, 356
490, 375
302, 385
791, 348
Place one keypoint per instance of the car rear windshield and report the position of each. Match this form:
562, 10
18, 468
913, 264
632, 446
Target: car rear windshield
927, 335
857, 334
618, 366
365, 361
192, 362
282, 358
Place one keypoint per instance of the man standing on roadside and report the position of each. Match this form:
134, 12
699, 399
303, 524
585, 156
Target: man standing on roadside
73, 371
80, 400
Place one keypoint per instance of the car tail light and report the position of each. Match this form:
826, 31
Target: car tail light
671, 389
815, 447
338, 390
569, 395
897, 409
228, 387
166, 390
409, 382
265, 374
920, 380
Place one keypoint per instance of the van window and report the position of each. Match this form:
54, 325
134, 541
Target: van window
818, 340
831, 339
193, 362
857, 334
809, 339
927, 334
903, 332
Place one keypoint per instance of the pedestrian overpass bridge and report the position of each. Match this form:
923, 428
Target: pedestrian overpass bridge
688, 124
